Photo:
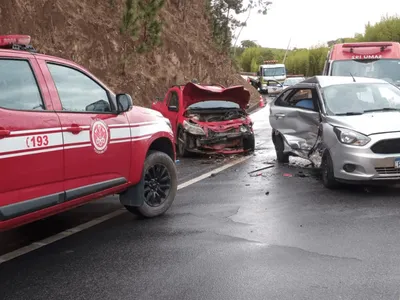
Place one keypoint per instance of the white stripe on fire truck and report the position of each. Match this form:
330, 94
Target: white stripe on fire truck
17, 145
37, 131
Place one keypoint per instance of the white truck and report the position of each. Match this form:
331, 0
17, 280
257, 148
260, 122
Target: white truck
269, 74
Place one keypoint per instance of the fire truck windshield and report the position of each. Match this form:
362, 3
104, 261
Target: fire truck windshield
387, 69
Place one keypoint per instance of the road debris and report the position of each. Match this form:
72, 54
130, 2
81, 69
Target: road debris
287, 175
256, 175
267, 193
261, 169
301, 174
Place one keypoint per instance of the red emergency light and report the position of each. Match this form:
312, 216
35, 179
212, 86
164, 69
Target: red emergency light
14, 39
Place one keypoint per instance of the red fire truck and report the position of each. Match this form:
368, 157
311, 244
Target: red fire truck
366, 59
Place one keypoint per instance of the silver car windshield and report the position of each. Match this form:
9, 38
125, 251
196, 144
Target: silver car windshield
360, 98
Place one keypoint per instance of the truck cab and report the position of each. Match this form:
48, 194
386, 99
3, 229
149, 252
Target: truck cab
269, 74
365, 59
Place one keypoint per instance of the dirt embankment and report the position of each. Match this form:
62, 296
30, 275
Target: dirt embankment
88, 32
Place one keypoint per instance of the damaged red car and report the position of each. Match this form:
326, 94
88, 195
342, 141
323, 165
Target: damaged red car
208, 119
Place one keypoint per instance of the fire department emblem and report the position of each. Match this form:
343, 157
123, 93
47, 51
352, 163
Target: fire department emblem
99, 136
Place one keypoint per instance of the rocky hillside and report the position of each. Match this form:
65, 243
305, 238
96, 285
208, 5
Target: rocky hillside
88, 32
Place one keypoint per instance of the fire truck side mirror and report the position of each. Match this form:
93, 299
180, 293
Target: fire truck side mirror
124, 102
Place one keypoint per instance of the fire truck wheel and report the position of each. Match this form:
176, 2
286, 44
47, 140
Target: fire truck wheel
160, 185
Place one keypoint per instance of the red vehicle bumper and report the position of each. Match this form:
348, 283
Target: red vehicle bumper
220, 143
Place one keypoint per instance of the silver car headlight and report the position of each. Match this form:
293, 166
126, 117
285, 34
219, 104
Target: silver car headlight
351, 137
193, 128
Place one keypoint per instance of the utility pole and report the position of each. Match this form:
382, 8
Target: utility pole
287, 49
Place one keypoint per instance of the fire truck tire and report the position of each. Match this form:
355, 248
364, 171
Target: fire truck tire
160, 185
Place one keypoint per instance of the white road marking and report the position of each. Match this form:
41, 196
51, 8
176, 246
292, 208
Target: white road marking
66, 233
215, 171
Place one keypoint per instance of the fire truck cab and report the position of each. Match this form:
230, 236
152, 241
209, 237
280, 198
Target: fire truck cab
367, 59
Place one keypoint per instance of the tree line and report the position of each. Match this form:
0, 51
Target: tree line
248, 56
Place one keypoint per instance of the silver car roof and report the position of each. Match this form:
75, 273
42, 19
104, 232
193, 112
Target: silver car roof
325, 81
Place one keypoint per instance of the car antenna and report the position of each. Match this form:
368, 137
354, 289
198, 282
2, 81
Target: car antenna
354, 80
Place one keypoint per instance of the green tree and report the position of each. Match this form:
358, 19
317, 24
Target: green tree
140, 21
249, 44
388, 29
223, 21
251, 58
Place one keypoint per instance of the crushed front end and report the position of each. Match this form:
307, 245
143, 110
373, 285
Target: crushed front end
227, 132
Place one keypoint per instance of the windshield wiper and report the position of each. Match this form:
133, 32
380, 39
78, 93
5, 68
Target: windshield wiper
382, 109
351, 113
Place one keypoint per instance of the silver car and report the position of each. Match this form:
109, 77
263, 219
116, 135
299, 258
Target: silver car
274, 87
350, 127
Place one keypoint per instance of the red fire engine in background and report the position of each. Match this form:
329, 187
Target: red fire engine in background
365, 59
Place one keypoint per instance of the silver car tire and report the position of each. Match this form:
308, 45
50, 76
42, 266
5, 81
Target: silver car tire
281, 156
328, 176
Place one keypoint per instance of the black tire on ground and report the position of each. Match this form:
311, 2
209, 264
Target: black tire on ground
281, 157
181, 147
161, 175
249, 143
328, 178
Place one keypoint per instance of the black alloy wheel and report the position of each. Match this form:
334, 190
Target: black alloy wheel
157, 185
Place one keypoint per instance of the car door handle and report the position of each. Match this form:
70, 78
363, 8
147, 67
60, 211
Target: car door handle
279, 116
4, 133
74, 128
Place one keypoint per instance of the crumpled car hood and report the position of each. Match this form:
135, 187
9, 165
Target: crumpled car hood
193, 93
368, 123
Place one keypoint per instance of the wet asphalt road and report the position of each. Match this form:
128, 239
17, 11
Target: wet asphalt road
274, 234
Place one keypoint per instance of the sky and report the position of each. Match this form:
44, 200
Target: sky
311, 22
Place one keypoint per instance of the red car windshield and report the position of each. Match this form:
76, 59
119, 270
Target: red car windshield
213, 104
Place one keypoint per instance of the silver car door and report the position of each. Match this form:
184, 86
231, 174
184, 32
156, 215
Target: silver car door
296, 116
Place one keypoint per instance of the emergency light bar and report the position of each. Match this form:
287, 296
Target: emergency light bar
270, 61
350, 47
365, 45
14, 39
